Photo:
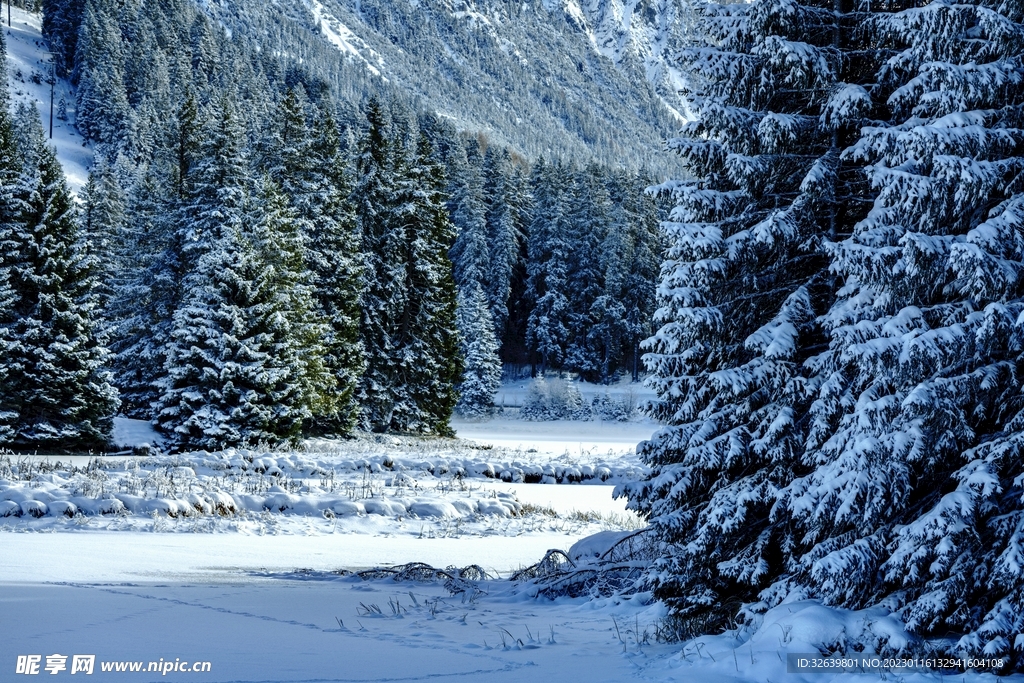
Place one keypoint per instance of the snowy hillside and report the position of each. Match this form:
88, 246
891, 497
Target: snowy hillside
548, 79
28, 65
648, 32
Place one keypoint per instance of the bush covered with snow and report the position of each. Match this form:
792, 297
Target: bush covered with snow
613, 408
554, 399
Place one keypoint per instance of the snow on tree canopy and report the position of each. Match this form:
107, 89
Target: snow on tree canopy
741, 288
848, 427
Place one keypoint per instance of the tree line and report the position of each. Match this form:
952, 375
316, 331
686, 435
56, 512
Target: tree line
319, 268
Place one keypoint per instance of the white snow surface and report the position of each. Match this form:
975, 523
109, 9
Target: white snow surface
130, 433
306, 629
347, 42
140, 569
558, 437
513, 393
28, 61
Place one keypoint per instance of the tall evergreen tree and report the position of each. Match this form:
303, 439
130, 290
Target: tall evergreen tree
548, 265
470, 253
590, 218
237, 373
101, 101
333, 255
61, 22
408, 301
10, 210
740, 290
147, 288
506, 213
146, 292
54, 395
311, 171
914, 492
481, 377
645, 252
384, 296
610, 323
514, 347
427, 357
103, 215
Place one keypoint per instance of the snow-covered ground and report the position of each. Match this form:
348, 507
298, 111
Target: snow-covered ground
249, 588
323, 628
263, 617
28, 66
570, 439
257, 588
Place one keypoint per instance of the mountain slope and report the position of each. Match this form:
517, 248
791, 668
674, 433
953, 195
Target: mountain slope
549, 78
29, 72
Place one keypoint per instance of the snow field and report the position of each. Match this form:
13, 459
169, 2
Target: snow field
382, 485
514, 393
318, 629
288, 624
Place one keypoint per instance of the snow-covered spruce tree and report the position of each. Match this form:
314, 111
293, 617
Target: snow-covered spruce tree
384, 295
10, 210
506, 214
740, 290
54, 394
333, 254
644, 252
148, 288
101, 102
470, 254
61, 22
103, 215
915, 436
590, 221
426, 342
548, 265
605, 337
310, 168
514, 347
145, 293
408, 301
237, 367
481, 376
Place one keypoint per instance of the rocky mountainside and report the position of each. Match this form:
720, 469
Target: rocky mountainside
553, 78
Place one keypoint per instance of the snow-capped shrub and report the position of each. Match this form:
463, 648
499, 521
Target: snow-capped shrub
384, 508
554, 399
344, 508
433, 508
606, 407
62, 507
110, 506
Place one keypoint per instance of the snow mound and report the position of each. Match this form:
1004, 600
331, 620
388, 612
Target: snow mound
137, 434
757, 650
596, 545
